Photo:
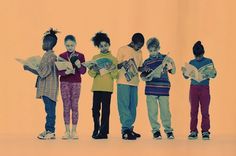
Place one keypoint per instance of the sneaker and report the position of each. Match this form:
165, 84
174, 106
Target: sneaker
170, 135
101, 136
136, 134
47, 135
192, 136
66, 135
206, 135
128, 135
95, 133
74, 135
157, 135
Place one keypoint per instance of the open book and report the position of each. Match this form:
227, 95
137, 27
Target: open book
157, 71
198, 74
63, 65
32, 62
130, 69
105, 65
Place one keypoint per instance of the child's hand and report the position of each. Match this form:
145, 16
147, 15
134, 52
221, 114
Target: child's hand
210, 73
78, 63
26, 67
95, 68
70, 71
108, 65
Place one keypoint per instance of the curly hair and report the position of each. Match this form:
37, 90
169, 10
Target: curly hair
100, 37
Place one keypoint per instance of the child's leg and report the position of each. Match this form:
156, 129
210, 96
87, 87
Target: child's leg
75, 94
194, 102
153, 112
65, 94
133, 102
165, 113
205, 102
123, 99
106, 101
96, 109
50, 108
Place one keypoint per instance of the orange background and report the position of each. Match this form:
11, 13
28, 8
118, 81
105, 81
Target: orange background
176, 23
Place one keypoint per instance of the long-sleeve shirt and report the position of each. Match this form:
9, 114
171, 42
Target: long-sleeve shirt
104, 82
47, 81
157, 86
124, 54
76, 77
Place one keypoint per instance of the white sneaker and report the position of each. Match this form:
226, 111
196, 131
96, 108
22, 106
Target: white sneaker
66, 135
74, 135
46, 135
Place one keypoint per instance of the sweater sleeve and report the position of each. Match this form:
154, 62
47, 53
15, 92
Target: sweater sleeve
82, 69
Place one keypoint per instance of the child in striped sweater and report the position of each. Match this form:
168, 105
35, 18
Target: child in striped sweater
157, 88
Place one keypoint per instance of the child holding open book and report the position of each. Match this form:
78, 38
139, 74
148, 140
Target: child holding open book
102, 84
47, 83
157, 88
199, 94
70, 85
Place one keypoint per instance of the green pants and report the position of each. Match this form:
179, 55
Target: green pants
152, 105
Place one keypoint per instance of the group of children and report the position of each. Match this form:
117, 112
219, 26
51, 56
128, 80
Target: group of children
156, 89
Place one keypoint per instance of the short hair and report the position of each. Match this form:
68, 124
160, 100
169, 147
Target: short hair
100, 37
50, 39
198, 49
153, 42
70, 37
138, 38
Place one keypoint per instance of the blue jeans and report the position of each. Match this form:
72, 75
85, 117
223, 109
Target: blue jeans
50, 109
127, 97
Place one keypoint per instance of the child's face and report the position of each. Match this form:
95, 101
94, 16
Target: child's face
153, 51
137, 46
104, 47
70, 45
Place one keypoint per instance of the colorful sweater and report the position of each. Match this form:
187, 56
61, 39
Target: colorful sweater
105, 82
78, 71
198, 64
157, 86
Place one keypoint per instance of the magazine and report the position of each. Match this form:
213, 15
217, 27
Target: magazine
63, 65
32, 62
198, 74
130, 69
105, 65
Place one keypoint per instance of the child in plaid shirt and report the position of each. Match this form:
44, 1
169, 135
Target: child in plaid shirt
47, 83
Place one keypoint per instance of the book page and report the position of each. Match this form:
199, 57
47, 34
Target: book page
32, 62
63, 65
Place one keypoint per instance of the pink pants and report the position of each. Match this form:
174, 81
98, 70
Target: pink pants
70, 93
